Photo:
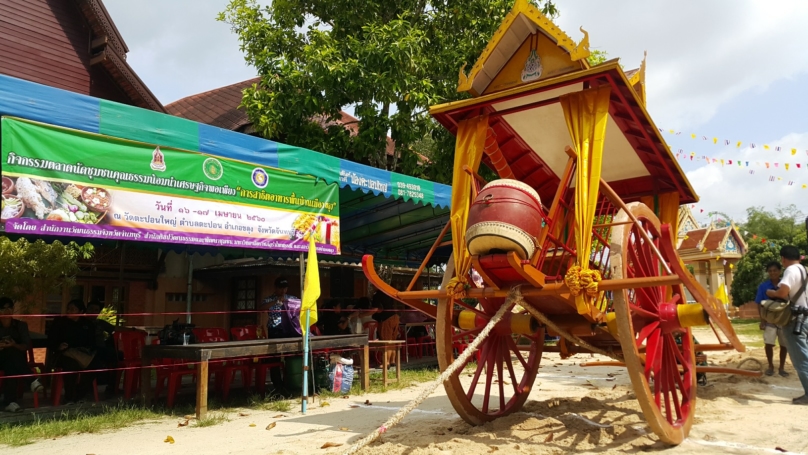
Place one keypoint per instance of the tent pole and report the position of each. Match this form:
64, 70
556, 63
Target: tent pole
190, 287
119, 307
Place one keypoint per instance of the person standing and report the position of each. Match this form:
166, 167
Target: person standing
772, 332
792, 287
282, 313
14, 342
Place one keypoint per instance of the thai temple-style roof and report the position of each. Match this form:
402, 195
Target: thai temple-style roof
706, 242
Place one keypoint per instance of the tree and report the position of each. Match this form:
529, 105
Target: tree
388, 59
751, 269
784, 224
30, 270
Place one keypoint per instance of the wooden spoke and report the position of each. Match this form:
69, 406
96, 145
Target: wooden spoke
668, 404
495, 357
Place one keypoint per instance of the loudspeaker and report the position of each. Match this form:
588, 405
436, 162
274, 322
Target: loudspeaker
342, 282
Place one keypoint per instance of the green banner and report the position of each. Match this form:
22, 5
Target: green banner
58, 181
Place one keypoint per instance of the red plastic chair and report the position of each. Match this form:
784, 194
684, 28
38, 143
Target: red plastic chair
171, 371
131, 344
57, 384
21, 388
227, 371
371, 328
248, 332
426, 345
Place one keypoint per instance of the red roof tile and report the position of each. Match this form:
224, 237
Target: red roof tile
219, 107
693, 239
714, 239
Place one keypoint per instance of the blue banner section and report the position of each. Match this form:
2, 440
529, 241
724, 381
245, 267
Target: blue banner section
19, 98
32, 101
365, 178
237, 146
443, 195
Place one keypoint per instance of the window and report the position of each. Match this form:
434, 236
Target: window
245, 298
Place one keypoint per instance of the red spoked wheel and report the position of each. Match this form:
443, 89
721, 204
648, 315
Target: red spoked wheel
502, 371
657, 350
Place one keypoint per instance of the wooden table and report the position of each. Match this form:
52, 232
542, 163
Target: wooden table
205, 352
389, 345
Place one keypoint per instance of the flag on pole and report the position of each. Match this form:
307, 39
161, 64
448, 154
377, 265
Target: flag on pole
311, 288
721, 294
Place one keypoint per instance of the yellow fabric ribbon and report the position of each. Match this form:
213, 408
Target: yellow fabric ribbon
456, 289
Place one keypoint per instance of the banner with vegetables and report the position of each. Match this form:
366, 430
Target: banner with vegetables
64, 182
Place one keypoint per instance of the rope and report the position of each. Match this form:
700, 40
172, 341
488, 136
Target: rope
751, 359
457, 364
563, 333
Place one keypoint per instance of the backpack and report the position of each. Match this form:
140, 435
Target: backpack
778, 312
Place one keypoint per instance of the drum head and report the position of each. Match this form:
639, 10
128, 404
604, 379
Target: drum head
491, 237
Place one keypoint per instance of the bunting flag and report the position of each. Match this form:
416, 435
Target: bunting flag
727, 142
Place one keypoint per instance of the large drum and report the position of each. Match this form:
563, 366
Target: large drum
505, 216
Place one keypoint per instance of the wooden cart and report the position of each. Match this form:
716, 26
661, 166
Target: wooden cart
552, 132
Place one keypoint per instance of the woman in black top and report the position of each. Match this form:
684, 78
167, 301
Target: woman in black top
72, 340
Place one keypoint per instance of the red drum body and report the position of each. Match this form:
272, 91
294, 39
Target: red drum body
505, 216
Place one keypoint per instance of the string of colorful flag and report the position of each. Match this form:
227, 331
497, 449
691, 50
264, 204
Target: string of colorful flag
738, 144
681, 155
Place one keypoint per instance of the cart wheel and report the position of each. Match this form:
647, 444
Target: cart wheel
658, 352
502, 378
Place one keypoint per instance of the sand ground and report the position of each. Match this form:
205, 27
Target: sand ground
571, 409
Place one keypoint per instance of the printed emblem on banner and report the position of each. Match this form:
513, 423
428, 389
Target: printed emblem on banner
260, 178
158, 161
212, 169
533, 68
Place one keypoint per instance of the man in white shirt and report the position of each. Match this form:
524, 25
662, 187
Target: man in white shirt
791, 287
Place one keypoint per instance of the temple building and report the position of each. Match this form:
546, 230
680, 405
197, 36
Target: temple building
711, 251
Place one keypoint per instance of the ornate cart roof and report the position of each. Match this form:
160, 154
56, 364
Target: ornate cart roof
518, 79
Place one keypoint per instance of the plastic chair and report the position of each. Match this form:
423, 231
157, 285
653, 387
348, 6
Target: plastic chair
58, 383
171, 371
225, 371
248, 332
426, 345
371, 328
131, 344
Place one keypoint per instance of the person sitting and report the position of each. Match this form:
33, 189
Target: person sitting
72, 340
388, 321
105, 350
334, 320
14, 343
363, 314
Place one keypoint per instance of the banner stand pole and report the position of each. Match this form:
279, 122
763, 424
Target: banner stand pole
306, 361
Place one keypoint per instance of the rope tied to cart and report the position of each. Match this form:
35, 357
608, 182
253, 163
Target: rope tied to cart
513, 296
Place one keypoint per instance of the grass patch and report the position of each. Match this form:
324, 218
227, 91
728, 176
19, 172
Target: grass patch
275, 403
211, 420
750, 330
67, 423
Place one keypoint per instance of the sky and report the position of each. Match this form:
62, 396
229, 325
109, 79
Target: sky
726, 69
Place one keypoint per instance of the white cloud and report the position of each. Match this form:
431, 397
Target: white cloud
731, 189
700, 54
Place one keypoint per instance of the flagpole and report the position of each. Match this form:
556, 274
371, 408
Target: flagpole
306, 361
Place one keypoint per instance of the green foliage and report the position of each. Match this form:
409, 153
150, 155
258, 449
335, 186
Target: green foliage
389, 60
29, 270
596, 57
751, 269
784, 224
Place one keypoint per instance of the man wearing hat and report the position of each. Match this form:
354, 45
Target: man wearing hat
283, 321
283, 312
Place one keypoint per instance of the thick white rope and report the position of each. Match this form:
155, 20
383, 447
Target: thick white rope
457, 364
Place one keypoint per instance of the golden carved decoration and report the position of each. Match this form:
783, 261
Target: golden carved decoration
541, 21
581, 51
463, 81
